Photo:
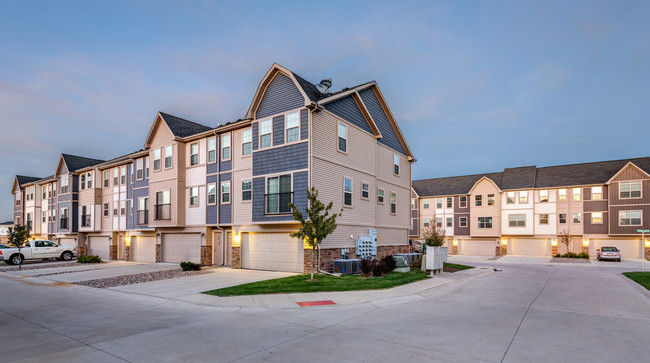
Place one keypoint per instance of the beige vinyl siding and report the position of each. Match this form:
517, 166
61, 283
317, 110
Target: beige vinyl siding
242, 170
391, 236
203, 145
483, 188
340, 238
385, 166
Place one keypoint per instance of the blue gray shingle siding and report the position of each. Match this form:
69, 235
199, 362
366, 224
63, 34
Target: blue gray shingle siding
255, 127
347, 109
212, 168
389, 136
213, 178
304, 124
281, 159
281, 95
300, 184
226, 165
137, 194
278, 130
63, 197
129, 217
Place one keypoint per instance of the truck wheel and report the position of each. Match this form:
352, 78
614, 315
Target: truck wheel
16, 259
66, 256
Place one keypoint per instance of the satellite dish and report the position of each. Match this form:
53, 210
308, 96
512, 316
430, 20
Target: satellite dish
324, 85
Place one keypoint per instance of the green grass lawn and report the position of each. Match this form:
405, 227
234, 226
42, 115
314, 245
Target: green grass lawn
299, 283
457, 266
641, 278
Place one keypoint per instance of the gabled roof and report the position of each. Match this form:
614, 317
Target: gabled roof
586, 173
457, 185
519, 178
181, 127
74, 162
629, 165
20, 180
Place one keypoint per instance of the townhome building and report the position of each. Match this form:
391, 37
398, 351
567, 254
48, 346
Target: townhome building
526, 210
22, 193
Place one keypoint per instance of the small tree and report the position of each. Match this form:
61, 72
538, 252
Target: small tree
434, 236
318, 225
17, 237
566, 239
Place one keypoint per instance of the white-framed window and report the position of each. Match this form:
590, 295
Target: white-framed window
597, 218
163, 205
123, 174
510, 198
393, 203
517, 220
212, 150
194, 153
83, 181
212, 194
105, 209
44, 188
143, 211
543, 196
380, 196
523, 197
225, 192
484, 222
44, 216
438, 203
122, 207
247, 142
266, 133
396, 164
543, 219
562, 218
365, 191
425, 204
629, 189
49, 190
156, 159
107, 177
561, 195
63, 220
630, 218
225, 147
439, 222
462, 221
450, 222
347, 192
577, 218
194, 196
139, 169
146, 167
168, 157
292, 127
490, 199
450, 202
279, 194
64, 184
478, 200
426, 222
463, 201
246, 190
54, 189
576, 193
596, 193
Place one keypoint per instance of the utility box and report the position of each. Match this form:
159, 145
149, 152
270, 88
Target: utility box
366, 246
401, 264
435, 258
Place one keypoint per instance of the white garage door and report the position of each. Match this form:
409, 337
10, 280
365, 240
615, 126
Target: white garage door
181, 247
477, 247
272, 251
143, 249
99, 246
529, 247
66, 242
630, 248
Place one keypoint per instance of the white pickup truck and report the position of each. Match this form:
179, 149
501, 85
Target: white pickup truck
37, 249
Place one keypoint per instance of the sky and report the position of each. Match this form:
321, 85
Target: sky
476, 86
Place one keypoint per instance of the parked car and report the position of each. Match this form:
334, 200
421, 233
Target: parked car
37, 249
608, 253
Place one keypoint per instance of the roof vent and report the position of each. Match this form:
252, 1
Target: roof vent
324, 85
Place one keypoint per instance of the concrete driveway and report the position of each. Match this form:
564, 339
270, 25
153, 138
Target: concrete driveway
524, 313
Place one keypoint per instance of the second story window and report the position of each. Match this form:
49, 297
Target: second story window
292, 127
463, 201
478, 200
629, 218
365, 191
347, 192
543, 219
577, 218
576, 193
116, 177
438, 203
425, 204
107, 177
517, 220
439, 222
523, 197
343, 138
122, 207
194, 153
380, 196
143, 211
44, 189
393, 203
123, 174
225, 192
63, 218
139, 169
490, 199
194, 197
83, 181
543, 196
163, 205
562, 218
168, 157
212, 194
212, 150
64, 184
396, 164
426, 222
450, 222
246, 142
629, 189
510, 198
266, 129
278, 194
105, 209
156, 160
484, 222
462, 222
89, 180
246, 190
225, 147
597, 218
450, 203
18, 199
596, 193
561, 195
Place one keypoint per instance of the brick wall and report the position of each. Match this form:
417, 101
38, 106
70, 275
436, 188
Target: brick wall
328, 255
113, 252
235, 257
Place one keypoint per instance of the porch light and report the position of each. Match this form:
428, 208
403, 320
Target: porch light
647, 242
236, 239
553, 242
455, 242
127, 239
585, 242
504, 241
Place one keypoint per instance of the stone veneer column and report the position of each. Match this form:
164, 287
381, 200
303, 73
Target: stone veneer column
504, 250
585, 249
235, 257
206, 255
82, 251
127, 253
647, 252
113, 252
158, 253
554, 250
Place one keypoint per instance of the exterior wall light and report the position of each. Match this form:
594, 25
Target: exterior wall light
554, 242
585, 242
504, 241
236, 240
455, 242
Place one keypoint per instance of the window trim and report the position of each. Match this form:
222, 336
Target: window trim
198, 193
159, 159
559, 218
511, 197
207, 194
226, 136
574, 194
573, 220
270, 133
222, 193
286, 129
600, 194
123, 175
367, 197
383, 196
171, 157
491, 201
192, 155
243, 142
630, 191
214, 150
449, 202
548, 198
426, 222
547, 219
510, 220
139, 168
426, 203
449, 222
393, 205
478, 200
266, 192
593, 217
107, 178
396, 164
156, 205
630, 218
562, 195
351, 192
460, 222
520, 197
478, 220
339, 137
460, 201
250, 190
106, 208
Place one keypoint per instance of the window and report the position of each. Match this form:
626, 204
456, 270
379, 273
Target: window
439, 222
449, 222
463, 202
28, 222
139, 169
576, 193
450, 203
122, 207
413, 203
596, 193
143, 211
54, 216
246, 190
484, 222
225, 192
156, 159
44, 216
168, 157
107, 177
347, 192
89, 180
105, 209
462, 221
630, 189
478, 200
115, 209
425, 204
543, 196
212, 194
292, 127
343, 138
517, 220
393, 203
561, 194
17, 220
247, 142
83, 181
523, 197
64, 184
54, 190
438, 203
163, 205
543, 219
365, 191
85, 216
49, 191
123, 174
194, 197
380, 196
396, 164
510, 198
427, 221
212, 150
146, 167
562, 217
629, 218
266, 127
597, 218
116, 176
225, 147
576, 218
64, 218
490, 199
278, 194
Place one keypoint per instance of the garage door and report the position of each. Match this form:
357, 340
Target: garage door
143, 249
100, 246
529, 247
272, 251
477, 247
181, 247
66, 242
630, 248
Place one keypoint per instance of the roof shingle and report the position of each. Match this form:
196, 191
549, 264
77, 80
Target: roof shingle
74, 162
181, 127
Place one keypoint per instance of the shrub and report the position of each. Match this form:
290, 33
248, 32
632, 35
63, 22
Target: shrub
574, 255
389, 264
190, 266
378, 268
89, 259
367, 265
417, 262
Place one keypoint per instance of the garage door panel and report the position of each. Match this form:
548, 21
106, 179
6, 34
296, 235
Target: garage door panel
630, 248
143, 249
272, 251
100, 246
528, 247
179, 247
469, 247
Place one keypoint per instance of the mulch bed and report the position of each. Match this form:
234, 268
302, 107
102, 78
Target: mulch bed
139, 278
450, 269
569, 260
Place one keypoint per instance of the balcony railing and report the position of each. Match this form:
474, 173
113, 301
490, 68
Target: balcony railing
143, 217
163, 212
85, 220
278, 203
